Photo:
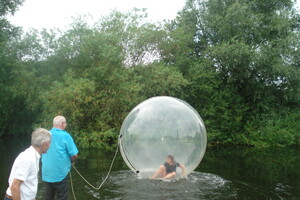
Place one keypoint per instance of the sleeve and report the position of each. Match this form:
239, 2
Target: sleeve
72, 149
22, 170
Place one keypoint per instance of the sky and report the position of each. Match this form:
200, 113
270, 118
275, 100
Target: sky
48, 14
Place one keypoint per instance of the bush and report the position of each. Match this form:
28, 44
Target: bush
106, 140
278, 130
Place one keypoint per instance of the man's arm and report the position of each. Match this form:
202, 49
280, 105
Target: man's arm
15, 189
72, 149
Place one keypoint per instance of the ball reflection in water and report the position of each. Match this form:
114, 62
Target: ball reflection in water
158, 127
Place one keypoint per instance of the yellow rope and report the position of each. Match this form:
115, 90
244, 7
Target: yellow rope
71, 180
94, 187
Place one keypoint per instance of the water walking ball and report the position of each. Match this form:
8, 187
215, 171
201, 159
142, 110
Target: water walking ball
158, 127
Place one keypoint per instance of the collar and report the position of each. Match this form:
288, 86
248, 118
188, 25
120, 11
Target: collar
57, 129
37, 155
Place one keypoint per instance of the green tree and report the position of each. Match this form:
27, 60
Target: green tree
248, 50
159, 80
10, 107
235, 61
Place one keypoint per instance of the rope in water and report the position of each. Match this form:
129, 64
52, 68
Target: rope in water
94, 187
73, 192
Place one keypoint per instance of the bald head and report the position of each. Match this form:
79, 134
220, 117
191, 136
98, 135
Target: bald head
60, 122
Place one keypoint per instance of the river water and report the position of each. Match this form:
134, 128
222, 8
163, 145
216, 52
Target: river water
224, 173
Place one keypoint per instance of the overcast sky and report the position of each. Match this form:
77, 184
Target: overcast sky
40, 14
58, 13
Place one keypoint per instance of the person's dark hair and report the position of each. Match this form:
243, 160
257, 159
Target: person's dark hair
172, 159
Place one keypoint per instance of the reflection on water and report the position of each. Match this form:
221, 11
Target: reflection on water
125, 185
241, 173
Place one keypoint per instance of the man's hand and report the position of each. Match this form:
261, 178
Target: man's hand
15, 189
74, 158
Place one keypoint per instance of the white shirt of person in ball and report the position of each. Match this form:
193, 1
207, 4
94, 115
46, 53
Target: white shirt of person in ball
26, 168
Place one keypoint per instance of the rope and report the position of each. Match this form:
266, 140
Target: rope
94, 187
71, 180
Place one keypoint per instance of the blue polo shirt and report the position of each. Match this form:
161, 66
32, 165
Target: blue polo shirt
56, 163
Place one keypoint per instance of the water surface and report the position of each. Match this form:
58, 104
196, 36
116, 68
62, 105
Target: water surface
224, 173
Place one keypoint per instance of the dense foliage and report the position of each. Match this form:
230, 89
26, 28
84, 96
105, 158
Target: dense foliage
235, 61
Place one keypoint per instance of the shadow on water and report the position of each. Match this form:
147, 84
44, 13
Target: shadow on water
229, 173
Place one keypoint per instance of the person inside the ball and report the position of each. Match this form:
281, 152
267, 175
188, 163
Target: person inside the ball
168, 170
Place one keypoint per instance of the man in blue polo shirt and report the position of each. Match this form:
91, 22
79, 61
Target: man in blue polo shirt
56, 163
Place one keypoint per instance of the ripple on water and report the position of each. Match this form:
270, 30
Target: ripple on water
126, 185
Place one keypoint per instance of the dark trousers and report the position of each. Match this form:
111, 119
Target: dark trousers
60, 189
